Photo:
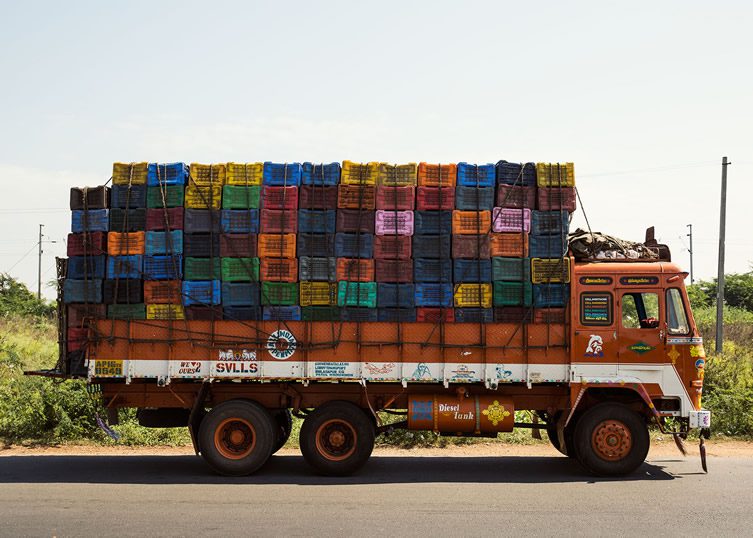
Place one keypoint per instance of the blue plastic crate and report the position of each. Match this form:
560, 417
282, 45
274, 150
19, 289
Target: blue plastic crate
395, 295
432, 270
241, 313
201, 292
317, 220
472, 271
520, 174
474, 198
86, 267
282, 174
157, 243
395, 315
315, 245
121, 198
474, 315
432, 246
240, 294
163, 267
320, 174
354, 245
476, 175
550, 222
240, 221
547, 246
550, 295
434, 294
166, 174
432, 222
93, 220
281, 313
125, 266
82, 291
361, 314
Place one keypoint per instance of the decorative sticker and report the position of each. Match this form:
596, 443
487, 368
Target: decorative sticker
641, 347
496, 413
108, 368
422, 371
421, 410
596, 308
595, 280
231, 362
673, 354
595, 347
463, 372
281, 344
376, 369
639, 280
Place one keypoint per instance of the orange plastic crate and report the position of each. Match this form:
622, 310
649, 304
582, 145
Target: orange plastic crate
162, 291
276, 245
279, 269
126, 243
355, 269
356, 196
436, 175
471, 222
509, 245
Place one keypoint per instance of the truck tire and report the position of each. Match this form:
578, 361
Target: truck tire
283, 428
553, 434
237, 437
611, 440
337, 438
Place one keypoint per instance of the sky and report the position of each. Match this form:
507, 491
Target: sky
644, 97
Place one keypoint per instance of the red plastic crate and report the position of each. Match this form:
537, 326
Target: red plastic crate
355, 269
435, 314
556, 199
390, 247
89, 244
279, 197
471, 246
238, 245
356, 196
516, 197
80, 314
279, 221
395, 198
164, 219
355, 221
279, 269
393, 270
435, 198
163, 292
76, 338
509, 245
317, 197
549, 315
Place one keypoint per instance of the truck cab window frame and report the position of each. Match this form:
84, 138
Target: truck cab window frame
677, 315
640, 310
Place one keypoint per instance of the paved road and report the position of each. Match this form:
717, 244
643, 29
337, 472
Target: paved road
392, 496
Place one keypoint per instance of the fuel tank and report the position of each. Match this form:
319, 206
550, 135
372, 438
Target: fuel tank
460, 414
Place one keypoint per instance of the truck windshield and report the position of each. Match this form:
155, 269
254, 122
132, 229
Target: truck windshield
677, 319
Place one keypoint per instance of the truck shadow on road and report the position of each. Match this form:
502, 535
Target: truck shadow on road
291, 469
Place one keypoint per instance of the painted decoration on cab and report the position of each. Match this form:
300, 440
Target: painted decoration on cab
595, 347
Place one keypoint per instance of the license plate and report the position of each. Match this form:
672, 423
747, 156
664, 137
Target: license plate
700, 419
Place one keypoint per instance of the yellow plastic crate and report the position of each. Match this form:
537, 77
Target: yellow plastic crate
397, 175
207, 174
165, 311
359, 173
555, 174
129, 173
318, 294
244, 173
546, 270
473, 295
209, 197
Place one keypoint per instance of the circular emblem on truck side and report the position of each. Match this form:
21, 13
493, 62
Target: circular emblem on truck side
281, 344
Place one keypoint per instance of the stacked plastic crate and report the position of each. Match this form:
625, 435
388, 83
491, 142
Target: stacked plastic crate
317, 222
432, 242
241, 199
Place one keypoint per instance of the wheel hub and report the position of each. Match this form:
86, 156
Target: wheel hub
235, 438
336, 440
611, 440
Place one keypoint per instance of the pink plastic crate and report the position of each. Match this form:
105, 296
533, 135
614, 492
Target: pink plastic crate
505, 219
394, 222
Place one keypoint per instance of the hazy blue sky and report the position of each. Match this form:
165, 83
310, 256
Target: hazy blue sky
644, 97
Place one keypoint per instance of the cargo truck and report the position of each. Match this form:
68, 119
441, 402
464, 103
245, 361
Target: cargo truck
624, 353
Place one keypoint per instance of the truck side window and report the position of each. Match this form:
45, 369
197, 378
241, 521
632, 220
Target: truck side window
640, 310
677, 319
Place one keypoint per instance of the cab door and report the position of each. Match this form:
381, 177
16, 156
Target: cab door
639, 326
595, 344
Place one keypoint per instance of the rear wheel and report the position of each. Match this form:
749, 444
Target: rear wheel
237, 437
337, 438
611, 440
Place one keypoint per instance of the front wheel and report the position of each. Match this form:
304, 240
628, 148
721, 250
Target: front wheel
611, 440
337, 438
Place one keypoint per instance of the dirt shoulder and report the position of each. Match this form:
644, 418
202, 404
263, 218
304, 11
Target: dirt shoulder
722, 448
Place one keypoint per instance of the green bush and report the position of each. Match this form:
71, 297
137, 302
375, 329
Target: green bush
728, 390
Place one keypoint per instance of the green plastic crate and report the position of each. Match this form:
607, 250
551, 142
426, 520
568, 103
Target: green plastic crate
513, 293
320, 313
240, 269
357, 294
240, 196
202, 269
173, 196
279, 293
511, 269
126, 311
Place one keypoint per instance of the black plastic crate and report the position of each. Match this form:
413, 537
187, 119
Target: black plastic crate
396, 315
432, 222
123, 291
90, 197
396, 295
319, 245
130, 197
201, 245
432, 246
432, 270
127, 220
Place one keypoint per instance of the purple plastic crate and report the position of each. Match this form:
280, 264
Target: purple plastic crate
506, 219
394, 222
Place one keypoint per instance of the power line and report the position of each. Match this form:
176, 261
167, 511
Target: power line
22, 258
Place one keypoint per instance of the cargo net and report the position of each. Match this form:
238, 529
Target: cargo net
170, 244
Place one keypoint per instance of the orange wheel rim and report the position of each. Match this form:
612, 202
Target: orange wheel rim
336, 440
611, 440
235, 438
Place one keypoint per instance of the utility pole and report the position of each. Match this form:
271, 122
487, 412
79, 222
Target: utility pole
690, 251
720, 272
39, 265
